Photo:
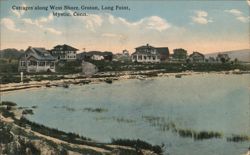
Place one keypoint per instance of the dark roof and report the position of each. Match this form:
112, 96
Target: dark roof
196, 53
159, 50
145, 46
163, 50
39, 53
90, 53
64, 47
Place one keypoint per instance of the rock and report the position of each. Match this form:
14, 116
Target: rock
88, 68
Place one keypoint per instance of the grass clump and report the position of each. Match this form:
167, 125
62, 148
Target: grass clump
138, 144
97, 110
238, 138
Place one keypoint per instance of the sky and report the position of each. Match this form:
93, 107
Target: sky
195, 25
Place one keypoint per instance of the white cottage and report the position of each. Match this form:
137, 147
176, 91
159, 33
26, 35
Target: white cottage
197, 57
97, 57
146, 54
37, 60
64, 52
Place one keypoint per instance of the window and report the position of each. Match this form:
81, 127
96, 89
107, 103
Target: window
42, 63
22, 63
32, 63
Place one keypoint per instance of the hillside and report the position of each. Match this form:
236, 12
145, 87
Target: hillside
11, 53
242, 55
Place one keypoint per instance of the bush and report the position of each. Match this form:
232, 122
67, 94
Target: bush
28, 111
8, 103
10, 79
5, 135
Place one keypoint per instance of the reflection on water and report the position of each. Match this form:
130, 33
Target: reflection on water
167, 110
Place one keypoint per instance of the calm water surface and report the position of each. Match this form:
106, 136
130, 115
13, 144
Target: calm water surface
210, 102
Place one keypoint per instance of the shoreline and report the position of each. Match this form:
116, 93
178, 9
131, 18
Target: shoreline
18, 135
108, 77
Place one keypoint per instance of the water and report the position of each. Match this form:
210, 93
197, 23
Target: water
210, 102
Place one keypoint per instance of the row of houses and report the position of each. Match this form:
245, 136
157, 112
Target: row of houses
152, 54
148, 53
42, 60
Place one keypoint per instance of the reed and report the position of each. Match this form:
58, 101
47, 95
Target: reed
238, 138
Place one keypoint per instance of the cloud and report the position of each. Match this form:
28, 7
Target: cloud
19, 13
91, 22
155, 23
53, 31
238, 15
152, 22
46, 19
243, 19
40, 23
10, 25
234, 12
95, 21
111, 35
201, 17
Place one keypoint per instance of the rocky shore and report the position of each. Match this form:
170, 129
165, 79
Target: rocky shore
21, 136
108, 77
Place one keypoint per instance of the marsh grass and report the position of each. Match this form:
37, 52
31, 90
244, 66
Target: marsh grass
238, 138
164, 125
88, 109
116, 119
97, 110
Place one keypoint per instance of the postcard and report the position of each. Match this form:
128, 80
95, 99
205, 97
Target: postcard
124, 77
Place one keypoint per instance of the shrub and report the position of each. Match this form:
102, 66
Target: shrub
27, 111
8, 103
9, 79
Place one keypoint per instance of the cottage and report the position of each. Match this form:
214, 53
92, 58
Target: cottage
211, 60
150, 54
64, 52
95, 55
36, 60
222, 57
164, 53
196, 57
124, 56
179, 55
